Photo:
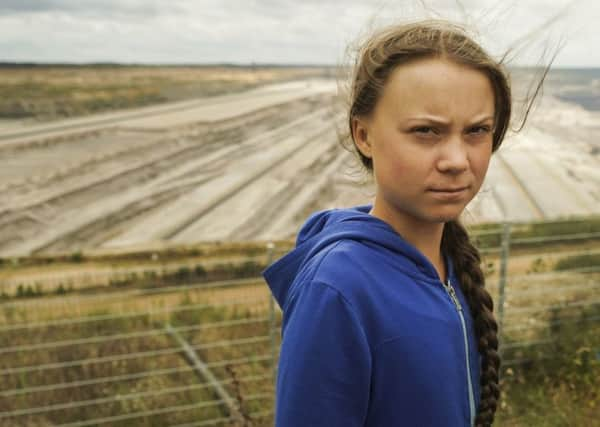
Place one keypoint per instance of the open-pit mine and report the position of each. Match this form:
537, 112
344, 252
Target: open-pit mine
248, 166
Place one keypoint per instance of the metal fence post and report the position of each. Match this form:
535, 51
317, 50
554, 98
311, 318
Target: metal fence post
504, 253
272, 326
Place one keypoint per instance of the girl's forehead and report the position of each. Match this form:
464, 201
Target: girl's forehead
436, 85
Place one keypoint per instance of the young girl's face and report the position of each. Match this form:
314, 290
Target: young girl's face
430, 139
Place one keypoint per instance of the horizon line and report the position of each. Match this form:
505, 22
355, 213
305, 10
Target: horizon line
8, 64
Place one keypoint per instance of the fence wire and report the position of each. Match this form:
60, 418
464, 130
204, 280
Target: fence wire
200, 354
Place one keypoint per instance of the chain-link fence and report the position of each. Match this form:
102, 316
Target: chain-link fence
205, 353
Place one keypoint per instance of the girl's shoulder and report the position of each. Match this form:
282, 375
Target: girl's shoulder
354, 268
340, 260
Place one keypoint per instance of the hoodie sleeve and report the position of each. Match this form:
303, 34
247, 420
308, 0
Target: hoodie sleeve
325, 362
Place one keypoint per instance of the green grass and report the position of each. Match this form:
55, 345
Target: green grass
560, 384
560, 390
534, 230
232, 375
578, 261
53, 92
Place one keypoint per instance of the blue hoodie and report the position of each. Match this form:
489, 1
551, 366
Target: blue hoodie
371, 336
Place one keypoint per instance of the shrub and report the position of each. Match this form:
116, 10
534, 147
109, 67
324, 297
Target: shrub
537, 266
577, 261
200, 271
27, 291
76, 256
182, 274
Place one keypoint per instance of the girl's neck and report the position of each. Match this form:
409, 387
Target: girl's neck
423, 235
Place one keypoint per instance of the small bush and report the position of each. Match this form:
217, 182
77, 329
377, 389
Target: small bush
248, 269
537, 266
578, 261
27, 291
200, 271
183, 274
76, 256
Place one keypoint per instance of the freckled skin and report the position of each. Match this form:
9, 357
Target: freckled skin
431, 130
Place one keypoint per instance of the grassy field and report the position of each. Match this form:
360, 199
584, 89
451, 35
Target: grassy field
551, 325
103, 341
557, 384
42, 93
100, 346
135, 366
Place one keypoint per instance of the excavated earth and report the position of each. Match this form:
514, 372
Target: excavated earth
249, 166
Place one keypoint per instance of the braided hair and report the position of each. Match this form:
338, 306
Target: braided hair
466, 259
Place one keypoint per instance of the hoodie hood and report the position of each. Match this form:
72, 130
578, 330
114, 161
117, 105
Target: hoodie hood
327, 227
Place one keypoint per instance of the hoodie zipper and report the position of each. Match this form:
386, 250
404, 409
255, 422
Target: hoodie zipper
452, 293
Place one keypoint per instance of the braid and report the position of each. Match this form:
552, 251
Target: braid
466, 260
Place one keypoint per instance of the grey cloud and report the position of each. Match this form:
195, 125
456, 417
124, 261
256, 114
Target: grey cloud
8, 6
90, 8
286, 31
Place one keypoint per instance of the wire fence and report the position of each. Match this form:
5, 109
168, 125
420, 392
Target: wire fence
205, 353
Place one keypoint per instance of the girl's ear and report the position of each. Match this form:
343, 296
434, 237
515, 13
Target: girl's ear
360, 133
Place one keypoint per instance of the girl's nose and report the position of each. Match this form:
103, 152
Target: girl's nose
453, 156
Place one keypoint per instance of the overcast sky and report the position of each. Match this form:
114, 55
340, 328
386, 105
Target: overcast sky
276, 31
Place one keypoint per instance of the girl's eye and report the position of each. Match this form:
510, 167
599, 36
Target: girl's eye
424, 130
480, 130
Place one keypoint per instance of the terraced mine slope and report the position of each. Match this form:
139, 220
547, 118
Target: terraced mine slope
247, 166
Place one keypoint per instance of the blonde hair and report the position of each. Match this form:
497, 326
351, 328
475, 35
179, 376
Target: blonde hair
377, 59
399, 44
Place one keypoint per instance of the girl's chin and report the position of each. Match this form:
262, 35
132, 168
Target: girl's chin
436, 218
446, 216
447, 212
446, 219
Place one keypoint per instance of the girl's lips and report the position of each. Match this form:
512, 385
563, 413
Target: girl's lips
448, 190
449, 194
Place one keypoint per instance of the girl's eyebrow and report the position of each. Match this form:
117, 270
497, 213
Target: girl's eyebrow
483, 120
430, 119
443, 122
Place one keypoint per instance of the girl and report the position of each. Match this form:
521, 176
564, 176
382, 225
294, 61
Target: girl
386, 321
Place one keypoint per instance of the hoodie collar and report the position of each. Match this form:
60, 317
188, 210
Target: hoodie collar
327, 227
